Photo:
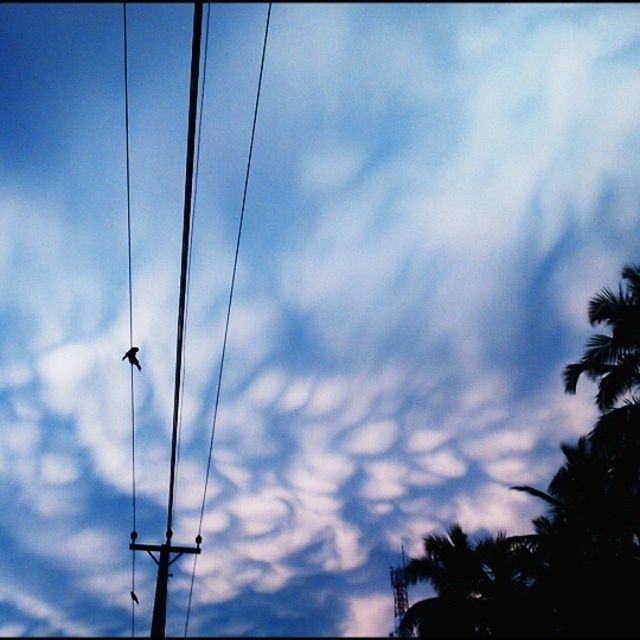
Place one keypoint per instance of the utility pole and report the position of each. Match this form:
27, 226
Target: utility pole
166, 551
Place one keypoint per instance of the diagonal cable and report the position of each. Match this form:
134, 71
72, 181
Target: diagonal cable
228, 316
186, 237
193, 217
133, 429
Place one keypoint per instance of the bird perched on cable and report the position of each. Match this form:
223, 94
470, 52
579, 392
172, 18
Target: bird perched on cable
134, 597
132, 357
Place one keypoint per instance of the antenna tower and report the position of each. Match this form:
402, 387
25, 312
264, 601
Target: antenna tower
400, 597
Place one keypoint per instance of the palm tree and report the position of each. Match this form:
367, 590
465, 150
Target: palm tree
481, 586
455, 572
612, 360
449, 564
508, 571
587, 545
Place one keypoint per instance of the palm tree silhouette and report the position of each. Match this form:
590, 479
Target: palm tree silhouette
450, 564
612, 360
587, 545
482, 587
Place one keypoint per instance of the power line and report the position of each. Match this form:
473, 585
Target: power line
133, 420
186, 236
167, 550
231, 290
193, 215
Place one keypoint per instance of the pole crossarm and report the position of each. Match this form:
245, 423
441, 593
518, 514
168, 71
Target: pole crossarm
164, 561
160, 547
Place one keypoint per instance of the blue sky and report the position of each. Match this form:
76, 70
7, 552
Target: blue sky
436, 192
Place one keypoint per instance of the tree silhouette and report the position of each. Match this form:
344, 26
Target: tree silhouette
578, 574
586, 546
482, 587
612, 360
450, 564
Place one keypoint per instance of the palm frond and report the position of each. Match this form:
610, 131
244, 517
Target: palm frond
603, 350
631, 273
543, 495
615, 427
622, 378
571, 374
607, 306
457, 536
543, 526
418, 569
529, 541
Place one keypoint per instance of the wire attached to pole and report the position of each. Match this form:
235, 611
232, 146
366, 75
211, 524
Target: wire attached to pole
186, 237
193, 216
228, 316
133, 427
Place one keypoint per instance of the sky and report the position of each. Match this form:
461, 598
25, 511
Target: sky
436, 192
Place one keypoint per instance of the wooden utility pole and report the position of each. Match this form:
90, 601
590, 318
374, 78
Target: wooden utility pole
165, 551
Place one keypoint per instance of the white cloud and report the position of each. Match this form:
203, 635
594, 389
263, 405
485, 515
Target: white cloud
420, 191
321, 471
57, 470
20, 438
384, 481
497, 444
15, 376
259, 514
266, 389
444, 463
12, 630
327, 167
493, 507
327, 396
296, 395
368, 616
426, 440
372, 438
511, 470
35, 608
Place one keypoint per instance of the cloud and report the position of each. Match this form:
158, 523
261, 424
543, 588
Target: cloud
34, 608
259, 514
435, 197
497, 444
327, 167
368, 616
296, 395
12, 630
384, 480
321, 471
426, 440
493, 507
372, 438
511, 470
443, 463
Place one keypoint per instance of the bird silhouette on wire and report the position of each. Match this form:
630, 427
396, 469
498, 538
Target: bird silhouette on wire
134, 597
131, 355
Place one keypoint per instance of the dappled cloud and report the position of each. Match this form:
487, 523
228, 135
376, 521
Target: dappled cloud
435, 194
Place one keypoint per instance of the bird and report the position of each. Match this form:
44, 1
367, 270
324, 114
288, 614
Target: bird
132, 357
134, 597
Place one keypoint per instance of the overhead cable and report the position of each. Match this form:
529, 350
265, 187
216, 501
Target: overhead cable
133, 420
230, 301
186, 237
193, 217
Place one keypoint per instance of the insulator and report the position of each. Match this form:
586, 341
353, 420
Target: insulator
198, 539
134, 535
